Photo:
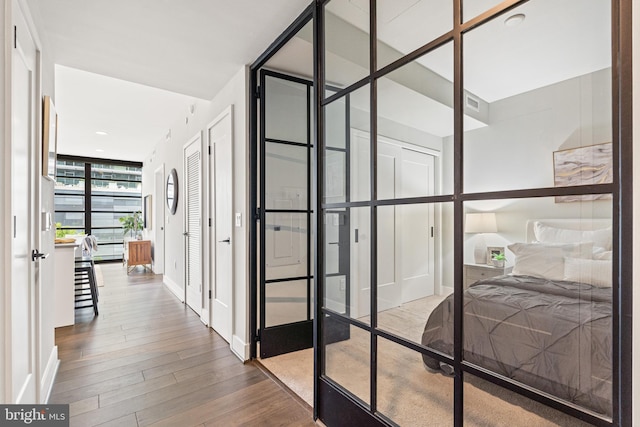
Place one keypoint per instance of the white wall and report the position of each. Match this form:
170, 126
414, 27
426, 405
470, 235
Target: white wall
516, 151
170, 153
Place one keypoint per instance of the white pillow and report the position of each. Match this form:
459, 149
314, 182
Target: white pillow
546, 260
600, 253
592, 271
547, 234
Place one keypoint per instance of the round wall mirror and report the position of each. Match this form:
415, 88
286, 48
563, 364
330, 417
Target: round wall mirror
172, 191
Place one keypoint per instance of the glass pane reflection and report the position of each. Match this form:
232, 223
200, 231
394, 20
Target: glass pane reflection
487, 404
346, 41
409, 394
347, 356
538, 106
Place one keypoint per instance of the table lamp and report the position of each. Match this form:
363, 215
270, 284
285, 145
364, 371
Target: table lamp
480, 223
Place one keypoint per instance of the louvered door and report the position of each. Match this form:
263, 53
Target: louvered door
193, 223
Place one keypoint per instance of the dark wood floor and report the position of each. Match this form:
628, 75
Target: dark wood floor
148, 360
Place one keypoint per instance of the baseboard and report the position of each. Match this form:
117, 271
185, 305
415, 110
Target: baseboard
205, 316
49, 375
173, 287
240, 348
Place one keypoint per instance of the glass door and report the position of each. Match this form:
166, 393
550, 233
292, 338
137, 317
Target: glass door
285, 272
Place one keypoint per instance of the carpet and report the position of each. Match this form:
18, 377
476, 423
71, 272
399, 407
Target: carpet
408, 393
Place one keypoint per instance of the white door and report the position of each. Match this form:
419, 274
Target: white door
415, 226
193, 223
360, 226
389, 292
158, 221
406, 242
21, 308
221, 185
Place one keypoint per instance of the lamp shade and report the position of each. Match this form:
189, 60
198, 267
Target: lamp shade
484, 222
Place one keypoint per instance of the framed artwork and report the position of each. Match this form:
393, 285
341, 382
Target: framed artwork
147, 212
583, 166
49, 137
493, 251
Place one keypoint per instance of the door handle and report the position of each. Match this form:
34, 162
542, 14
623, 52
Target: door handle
185, 234
37, 255
227, 240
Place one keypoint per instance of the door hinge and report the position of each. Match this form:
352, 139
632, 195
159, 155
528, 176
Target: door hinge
209, 222
258, 335
209, 150
257, 214
15, 37
258, 92
209, 293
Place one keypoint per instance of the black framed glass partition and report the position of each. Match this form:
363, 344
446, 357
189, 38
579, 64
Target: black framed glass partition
485, 209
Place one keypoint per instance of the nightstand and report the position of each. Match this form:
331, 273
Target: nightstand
475, 272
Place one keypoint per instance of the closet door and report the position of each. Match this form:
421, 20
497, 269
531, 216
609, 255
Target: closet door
406, 233
415, 225
193, 223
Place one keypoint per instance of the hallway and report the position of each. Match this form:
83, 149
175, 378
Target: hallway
147, 360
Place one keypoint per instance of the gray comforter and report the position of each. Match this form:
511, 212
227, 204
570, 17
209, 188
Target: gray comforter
553, 336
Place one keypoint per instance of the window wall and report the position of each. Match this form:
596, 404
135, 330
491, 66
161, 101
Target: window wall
91, 195
459, 108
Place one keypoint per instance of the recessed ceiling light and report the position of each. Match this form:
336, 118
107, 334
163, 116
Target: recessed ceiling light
99, 150
514, 20
101, 133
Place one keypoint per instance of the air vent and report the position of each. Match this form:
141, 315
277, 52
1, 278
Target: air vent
472, 103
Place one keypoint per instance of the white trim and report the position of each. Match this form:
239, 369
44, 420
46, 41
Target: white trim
240, 348
173, 287
46, 383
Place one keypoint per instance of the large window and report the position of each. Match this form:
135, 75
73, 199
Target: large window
91, 195
482, 198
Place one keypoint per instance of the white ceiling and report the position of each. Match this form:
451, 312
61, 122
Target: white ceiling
134, 116
558, 40
178, 50
188, 47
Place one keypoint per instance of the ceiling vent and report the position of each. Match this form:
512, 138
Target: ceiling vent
471, 102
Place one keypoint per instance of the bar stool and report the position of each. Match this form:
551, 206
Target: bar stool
85, 286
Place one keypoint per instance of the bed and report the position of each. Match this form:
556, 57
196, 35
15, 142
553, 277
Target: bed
548, 324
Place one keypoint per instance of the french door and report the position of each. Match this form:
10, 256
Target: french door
285, 272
